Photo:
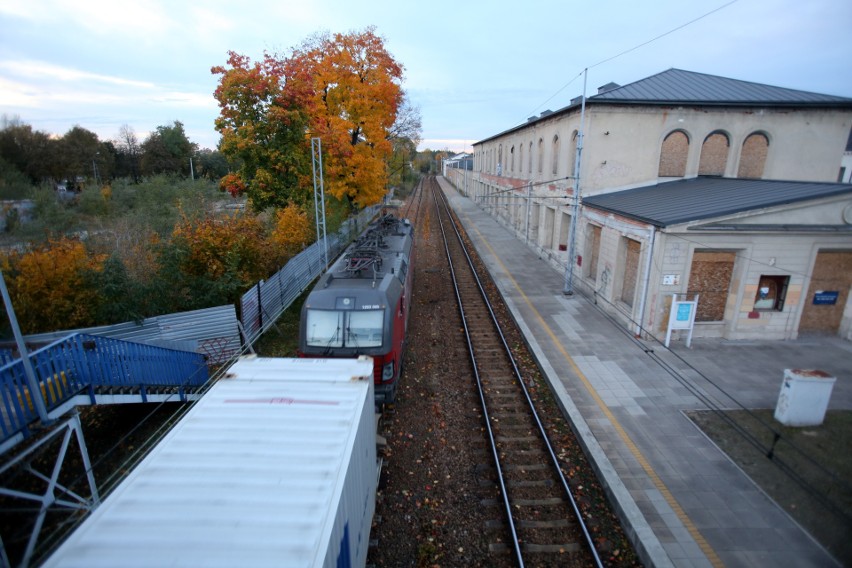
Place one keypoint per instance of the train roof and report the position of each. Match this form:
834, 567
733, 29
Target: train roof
257, 473
378, 255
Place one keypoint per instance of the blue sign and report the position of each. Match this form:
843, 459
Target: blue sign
826, 298
683, 311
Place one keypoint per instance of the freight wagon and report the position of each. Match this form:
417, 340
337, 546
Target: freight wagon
274, 466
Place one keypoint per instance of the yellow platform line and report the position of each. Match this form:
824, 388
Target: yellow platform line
705, 547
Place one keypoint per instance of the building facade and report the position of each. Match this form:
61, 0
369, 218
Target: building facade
762, 234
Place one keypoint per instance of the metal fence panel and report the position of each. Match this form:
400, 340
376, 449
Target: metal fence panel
214, 332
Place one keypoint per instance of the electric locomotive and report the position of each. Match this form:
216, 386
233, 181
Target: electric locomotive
360, 305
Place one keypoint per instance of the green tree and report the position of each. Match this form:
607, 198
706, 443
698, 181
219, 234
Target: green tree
28, 151
167, 151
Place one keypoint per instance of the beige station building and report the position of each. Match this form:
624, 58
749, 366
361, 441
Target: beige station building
690, 186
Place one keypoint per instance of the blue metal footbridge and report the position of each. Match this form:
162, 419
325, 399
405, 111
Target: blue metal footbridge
86, 369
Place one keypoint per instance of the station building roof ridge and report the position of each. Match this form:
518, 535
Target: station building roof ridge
670, 203
688, 87
680, 87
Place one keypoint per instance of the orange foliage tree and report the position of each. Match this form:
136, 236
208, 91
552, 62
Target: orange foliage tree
292, 232
213, 260
355, 93
262, 120
48, 285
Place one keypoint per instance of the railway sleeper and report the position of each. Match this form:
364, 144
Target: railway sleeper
533, 483
550, 548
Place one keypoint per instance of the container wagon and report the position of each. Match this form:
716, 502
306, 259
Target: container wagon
360, 305
274, 466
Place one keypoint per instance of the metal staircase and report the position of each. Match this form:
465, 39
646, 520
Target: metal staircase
87, 369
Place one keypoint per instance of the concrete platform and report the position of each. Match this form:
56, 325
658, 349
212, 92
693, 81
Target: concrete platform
684, 502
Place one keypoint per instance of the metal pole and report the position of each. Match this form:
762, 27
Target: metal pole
32, 382
191, 170
319, 197
569, 270
529, 198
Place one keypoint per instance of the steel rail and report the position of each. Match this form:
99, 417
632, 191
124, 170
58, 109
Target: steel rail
542, 432
507, 506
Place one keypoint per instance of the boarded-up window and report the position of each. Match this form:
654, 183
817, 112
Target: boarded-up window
753, 156
540, 155
631, 270
555, 159
714, 155
673, 155
832, 279
593, 249
521, 158
710, 278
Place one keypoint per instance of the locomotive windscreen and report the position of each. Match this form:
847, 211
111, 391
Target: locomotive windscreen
351, 329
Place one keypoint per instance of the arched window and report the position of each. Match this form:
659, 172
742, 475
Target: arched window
540, 155
500, 160
753, 156
521, 158
572, 154
555, 160
714, 154
673, 155
529, 159
512, 159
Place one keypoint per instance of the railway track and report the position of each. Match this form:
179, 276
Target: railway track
540, 524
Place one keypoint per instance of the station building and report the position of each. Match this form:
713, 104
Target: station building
690, 185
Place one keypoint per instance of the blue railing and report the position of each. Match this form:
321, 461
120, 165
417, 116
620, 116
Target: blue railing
88, 364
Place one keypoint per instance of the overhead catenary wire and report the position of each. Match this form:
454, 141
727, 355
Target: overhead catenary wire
631, 49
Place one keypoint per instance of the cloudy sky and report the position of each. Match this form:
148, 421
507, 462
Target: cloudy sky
474, 68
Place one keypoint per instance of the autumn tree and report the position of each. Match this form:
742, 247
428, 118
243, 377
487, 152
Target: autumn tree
404, 136
212, 260
355, 94
48, 285
292, 232
263, 122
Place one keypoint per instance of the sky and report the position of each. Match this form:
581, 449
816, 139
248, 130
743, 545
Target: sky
473, 68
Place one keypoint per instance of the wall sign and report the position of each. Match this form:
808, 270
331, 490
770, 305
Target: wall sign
825, 298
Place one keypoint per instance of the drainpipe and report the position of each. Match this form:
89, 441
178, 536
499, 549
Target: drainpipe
646, 282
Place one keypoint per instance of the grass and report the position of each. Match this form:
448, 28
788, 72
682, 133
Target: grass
282, 340
819, 456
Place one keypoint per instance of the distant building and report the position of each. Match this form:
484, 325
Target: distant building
689, 184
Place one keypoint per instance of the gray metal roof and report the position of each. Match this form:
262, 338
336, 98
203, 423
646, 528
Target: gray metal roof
675, 202
679, 87
688, 87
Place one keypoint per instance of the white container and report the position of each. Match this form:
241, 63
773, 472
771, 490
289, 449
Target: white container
804, 397
274, 466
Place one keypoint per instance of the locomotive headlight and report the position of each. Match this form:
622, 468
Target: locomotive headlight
387, 372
